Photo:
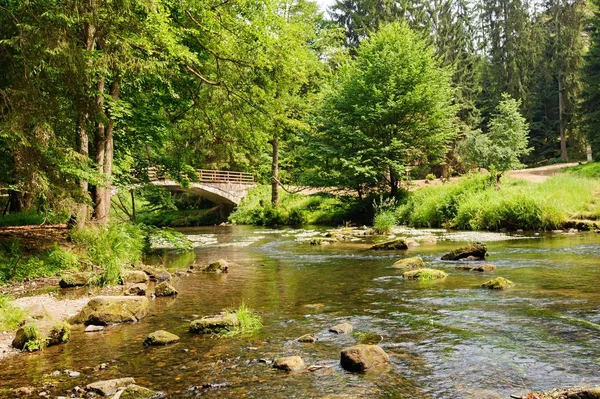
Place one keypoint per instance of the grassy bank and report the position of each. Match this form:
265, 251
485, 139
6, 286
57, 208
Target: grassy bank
299, 209
107, 250
477, 203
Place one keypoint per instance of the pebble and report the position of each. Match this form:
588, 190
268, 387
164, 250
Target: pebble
74, 374
93, 328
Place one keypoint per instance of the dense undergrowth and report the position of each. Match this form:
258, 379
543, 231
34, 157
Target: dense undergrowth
299, 209
107, 250
478, 203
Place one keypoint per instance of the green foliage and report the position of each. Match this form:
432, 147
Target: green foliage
504, 144
430, 177
389, 109
591, 170
16, 266
60, 332
21, 219
35, 340
11, 316
294, 209
424, 274
181, 218
476, 204
111, 247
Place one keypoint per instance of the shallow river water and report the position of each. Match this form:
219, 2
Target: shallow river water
446, 339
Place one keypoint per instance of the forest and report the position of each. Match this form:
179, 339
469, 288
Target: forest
97, 95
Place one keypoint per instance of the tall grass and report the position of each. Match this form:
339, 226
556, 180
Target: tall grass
249, 321
16, 266
111, 247
475, 203
11, 316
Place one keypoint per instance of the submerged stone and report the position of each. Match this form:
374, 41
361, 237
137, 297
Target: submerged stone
363, 358
214, 325
397, 244
344, 328
477, 251
499, 283
409, 263
160, 337
137, 392
424, 274
476, 268
290, 363
105, 310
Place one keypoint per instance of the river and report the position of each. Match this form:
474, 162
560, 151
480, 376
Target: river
446, 339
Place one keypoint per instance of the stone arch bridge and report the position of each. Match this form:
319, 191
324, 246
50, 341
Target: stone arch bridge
224, 188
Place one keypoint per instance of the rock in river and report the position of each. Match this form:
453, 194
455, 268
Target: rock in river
109, 387
105, 310
160, 337
220, 266
393, 245
409, 263
499, 283
424, 274
37, 335
307, 339
363, 358
164, 289
477, 268
214, 325
478, 251
344, 328
138, 289
135, 277
290, 363
75, 280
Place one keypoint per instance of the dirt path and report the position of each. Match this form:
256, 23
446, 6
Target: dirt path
538, 175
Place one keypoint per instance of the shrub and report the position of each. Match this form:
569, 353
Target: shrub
430, 177
35, 339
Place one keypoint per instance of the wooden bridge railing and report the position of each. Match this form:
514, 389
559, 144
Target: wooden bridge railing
213, 176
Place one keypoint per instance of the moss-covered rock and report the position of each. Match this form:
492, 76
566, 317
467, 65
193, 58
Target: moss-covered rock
343, 328
215, 325
289, 363
319, 241
75, 280
409, 263
160, 337
397, 244
363, 358
499, 283
135, 277
307, 339
477, 268
137, 392
138, 289
477, 251
36, 336
155, 273
164, 289
571, 393
424, 274
112, 310
220, 266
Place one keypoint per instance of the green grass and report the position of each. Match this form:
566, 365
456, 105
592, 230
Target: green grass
384, 221
35, 339
591, 170
298, 209
11, 316
17, 267
111, 248
32, 218
250, 321
475, 203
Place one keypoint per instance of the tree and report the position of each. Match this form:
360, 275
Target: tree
591, 77
389, 110
504, 144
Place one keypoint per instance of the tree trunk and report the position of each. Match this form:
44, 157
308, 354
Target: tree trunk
109, 152
561, 110
393, 182
275, 171
99, 195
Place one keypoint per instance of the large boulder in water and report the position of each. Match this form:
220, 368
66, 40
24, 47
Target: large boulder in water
164, 289
363, 358
105, 310
397, 244
109, 387
477, 251
215, 325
